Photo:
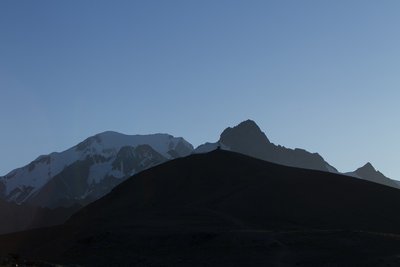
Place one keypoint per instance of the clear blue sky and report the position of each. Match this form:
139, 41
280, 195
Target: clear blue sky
321, 75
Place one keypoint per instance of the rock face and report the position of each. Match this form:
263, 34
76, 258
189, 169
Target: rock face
247, 138
90, 169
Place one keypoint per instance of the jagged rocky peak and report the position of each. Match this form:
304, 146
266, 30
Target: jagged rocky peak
246, 130
247, 138
369, 173
367, 168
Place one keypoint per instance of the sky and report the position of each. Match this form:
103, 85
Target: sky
319, 75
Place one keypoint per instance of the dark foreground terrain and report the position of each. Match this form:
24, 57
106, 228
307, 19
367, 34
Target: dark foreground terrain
225, 209
208, 248
14, 217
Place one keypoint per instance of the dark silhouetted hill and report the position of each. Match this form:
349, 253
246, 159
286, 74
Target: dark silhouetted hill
227, 209
14, 218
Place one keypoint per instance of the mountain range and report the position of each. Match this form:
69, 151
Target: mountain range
247, 138
225, 209
90, 169
152, 200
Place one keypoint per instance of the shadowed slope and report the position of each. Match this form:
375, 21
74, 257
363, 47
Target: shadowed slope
253, 192
15, 217
221, 203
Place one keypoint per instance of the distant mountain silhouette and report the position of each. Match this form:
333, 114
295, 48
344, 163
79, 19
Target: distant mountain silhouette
247, 138
224, 208
369, 173
93, 167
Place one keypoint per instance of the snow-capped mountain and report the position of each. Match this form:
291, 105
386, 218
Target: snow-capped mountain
95, 166
90, 169
247, 138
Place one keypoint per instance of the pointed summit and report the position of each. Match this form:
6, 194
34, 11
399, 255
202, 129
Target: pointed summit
366, 169
369, 173
248, 124
245, 130
247, 138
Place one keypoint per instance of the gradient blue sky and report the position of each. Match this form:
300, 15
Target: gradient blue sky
321, 75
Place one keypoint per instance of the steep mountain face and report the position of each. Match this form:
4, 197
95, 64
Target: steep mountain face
369, 173
90, 169
247, 138
224, 209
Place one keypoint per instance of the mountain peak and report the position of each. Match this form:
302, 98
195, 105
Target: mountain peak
249, 122
367, 167
247, 129
369, 173
246, 138
248, 125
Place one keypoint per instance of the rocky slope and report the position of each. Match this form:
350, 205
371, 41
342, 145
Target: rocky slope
90, 169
